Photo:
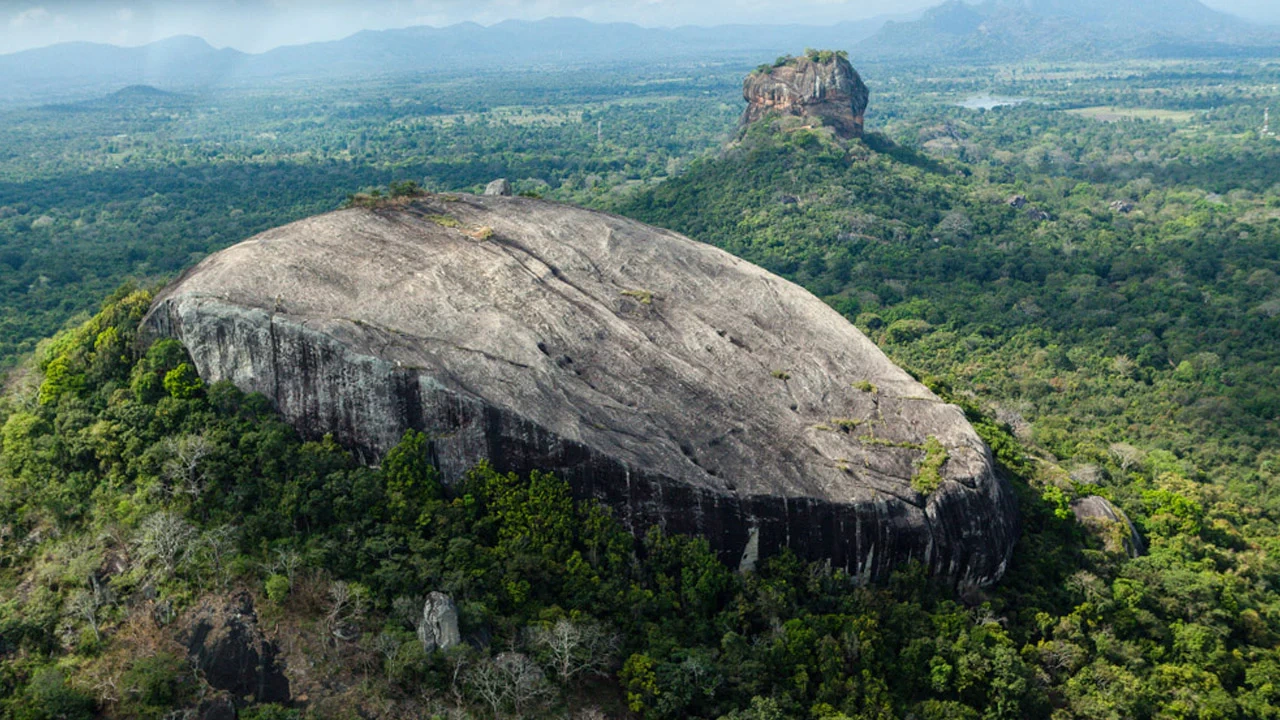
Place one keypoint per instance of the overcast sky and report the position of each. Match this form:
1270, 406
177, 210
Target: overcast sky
257, 25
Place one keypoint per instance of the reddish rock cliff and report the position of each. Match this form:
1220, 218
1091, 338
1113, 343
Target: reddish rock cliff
823, 86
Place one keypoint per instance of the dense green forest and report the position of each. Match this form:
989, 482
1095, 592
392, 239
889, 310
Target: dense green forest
1101, 295
142, 183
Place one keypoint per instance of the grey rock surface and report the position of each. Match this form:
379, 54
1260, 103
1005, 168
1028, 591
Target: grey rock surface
1110, 524
827, 90
438, 629
499, 187
225, 643
678, 384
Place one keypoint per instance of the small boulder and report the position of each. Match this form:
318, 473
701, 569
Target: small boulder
1017, 201
1110, 524
1123, 207
500, 187
1038, 215
438, 629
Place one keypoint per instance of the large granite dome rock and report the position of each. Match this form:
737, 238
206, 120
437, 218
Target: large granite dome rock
678, 384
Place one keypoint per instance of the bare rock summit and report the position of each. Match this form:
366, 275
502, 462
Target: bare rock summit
819, 85
675, 383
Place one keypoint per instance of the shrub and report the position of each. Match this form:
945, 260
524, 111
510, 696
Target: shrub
906, 330
269, 711
152, 685
48, 696
278, 587
929, 477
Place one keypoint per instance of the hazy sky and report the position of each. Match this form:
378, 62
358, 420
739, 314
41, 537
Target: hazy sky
256, 25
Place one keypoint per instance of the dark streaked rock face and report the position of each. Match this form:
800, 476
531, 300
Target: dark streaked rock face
676, 383
830, 91
224, 641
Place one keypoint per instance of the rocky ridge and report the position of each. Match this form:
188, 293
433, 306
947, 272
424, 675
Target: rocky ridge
821, 86
677, 384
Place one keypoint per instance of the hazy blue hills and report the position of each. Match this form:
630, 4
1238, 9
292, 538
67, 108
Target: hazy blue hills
994, 30
997, 30
74, 71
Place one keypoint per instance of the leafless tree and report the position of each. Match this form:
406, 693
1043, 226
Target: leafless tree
407, 611
388, 645
184, 470
166, 538
217, 546
346, 608
85, 604
574, 648
509, 684
286, 562
1126, 455
701, 673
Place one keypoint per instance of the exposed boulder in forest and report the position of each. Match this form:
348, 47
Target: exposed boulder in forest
224, 641
818, 85
1110, 524
675, 383
500, 187
438, 627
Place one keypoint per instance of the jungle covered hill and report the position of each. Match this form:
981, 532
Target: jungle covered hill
1092, 274
139, 501
1093, 314
141, 504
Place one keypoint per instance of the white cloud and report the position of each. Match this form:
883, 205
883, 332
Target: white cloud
29, 17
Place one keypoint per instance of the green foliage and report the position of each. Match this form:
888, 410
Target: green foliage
182, 382
95, 351
48, 696
94, 194
270, 711
1097, 350
928, 476
406, 188
154, 685
413, 485
277, 588
825, 56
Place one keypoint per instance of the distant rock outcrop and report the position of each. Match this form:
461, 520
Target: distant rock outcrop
681, 386
822, 86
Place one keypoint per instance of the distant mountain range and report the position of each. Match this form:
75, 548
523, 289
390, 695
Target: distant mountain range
76, 70
996, 30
